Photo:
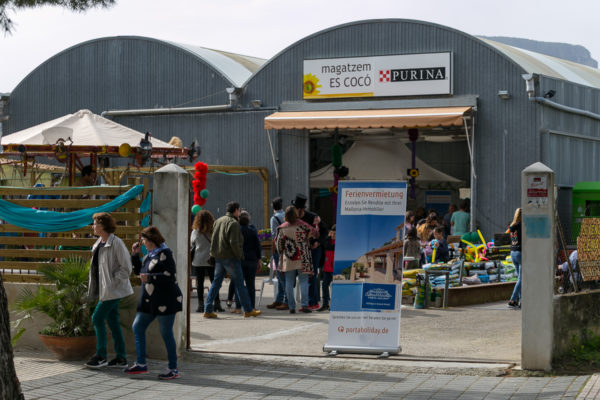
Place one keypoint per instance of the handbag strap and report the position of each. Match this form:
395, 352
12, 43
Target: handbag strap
206, 236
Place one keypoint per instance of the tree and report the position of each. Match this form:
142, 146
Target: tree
10, 388
6, 24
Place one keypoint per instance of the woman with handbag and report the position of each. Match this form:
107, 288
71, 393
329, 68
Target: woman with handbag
202, 229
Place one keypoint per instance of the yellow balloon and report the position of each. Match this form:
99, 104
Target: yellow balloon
124, 150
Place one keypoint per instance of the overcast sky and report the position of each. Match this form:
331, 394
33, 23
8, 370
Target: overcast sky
262, 28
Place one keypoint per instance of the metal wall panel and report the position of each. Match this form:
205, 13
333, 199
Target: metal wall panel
114, 73
225, 139
570, 143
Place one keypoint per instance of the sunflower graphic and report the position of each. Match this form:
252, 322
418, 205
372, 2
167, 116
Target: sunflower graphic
310, 85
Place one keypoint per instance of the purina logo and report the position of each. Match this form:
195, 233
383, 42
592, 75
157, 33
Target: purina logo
412, 74
378, 294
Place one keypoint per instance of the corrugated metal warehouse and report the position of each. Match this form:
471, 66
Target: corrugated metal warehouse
425, 66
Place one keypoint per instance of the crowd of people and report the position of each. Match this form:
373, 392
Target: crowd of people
302, 251
426, 231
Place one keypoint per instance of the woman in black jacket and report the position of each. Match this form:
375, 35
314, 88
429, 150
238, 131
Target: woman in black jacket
160, 298
252, 256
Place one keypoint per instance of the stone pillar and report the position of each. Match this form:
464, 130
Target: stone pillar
170, 215
537, 291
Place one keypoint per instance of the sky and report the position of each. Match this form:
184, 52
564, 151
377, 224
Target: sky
263, 28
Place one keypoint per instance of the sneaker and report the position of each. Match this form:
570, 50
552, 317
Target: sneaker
136, 369
275, 304
292, 311
282, 307
210, 315
313, 307
324, 307
236, 311
253, 313
513, 305
97, 362
169, 374
305, 310
118, 362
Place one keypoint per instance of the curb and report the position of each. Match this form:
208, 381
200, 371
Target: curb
348, 363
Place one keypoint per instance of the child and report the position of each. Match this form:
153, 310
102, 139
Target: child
441, 253
424, 233
412, 248
328, 268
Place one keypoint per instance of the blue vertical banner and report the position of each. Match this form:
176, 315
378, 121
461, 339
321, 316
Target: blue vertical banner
368, 215
365, 312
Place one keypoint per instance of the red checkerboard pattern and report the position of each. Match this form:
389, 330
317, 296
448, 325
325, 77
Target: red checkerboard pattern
384, 76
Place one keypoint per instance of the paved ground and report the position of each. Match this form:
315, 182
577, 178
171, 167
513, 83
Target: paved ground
483, 332
43, 378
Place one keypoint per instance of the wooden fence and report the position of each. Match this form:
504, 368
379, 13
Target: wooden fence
23, 251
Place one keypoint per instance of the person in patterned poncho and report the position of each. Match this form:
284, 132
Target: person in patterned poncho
295, 259
160, 298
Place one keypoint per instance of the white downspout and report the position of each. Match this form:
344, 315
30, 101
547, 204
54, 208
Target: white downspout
473, 175
275, 164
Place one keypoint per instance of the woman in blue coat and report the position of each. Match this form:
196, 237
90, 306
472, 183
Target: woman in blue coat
160, 299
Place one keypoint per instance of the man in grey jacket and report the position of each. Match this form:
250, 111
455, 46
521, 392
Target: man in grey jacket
227, 249
109, 283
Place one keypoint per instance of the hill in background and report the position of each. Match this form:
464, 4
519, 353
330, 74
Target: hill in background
571, 52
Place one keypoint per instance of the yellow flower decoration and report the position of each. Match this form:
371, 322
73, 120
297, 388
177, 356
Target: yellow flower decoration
310, 85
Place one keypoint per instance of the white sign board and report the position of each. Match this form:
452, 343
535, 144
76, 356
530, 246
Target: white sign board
372, 201
399, 75
364, 329
364, 317
537, 191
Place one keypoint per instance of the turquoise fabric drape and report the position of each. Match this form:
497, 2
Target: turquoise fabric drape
146, 204
53, 221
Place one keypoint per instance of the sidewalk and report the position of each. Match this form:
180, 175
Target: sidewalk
231, 377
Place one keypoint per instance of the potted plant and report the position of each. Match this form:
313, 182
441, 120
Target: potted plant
65, 300
360, 268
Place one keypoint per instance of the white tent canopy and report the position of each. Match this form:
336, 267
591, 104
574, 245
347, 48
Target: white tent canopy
84, 128
379, 159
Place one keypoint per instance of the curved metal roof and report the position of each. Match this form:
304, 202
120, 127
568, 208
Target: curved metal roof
542, 64
236, 67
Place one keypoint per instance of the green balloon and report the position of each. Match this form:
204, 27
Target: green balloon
204, 193
196, 208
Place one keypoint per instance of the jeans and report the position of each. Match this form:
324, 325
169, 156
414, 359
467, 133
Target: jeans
108, 311
281, 296
516, 259
249, 272
326, 282
165, 325
313, 280
290, 279
232, 267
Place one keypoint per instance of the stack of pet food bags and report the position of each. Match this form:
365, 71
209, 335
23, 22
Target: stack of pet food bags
490, 271
409, 281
